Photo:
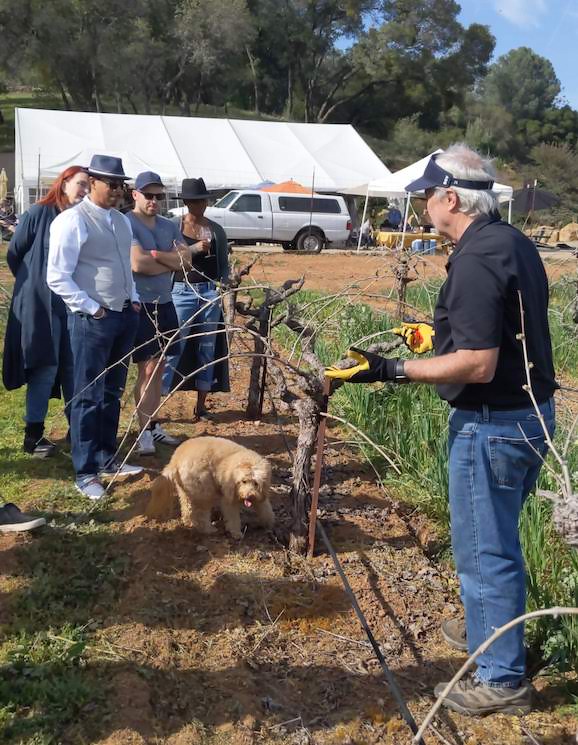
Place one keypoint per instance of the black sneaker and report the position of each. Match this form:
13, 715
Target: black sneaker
35, 444
13, 520
41, 448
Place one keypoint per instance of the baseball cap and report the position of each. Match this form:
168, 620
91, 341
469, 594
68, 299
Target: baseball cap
146, 178
435, 175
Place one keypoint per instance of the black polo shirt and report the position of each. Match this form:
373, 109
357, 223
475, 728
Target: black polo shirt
478, 308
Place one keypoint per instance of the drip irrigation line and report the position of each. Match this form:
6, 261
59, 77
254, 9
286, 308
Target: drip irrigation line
406, 714
392, 683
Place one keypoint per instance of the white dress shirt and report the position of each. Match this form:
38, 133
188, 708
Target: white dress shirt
67, 235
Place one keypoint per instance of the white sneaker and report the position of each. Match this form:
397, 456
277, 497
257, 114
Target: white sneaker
145, 444
114, 468
91, 487
159, 435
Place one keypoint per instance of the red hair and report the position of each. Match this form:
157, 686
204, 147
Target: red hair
56, 195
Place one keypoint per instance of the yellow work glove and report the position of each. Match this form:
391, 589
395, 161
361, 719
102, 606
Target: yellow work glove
417, 336
369, 369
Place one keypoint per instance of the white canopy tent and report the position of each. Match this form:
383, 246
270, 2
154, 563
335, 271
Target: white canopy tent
393, 187
227, 153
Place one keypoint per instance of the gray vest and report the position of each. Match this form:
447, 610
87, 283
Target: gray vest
103, 270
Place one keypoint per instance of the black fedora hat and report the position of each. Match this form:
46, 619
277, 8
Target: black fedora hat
107, 165
193, 188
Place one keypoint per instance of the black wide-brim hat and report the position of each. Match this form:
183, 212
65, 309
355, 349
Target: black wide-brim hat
107, 166
193, 188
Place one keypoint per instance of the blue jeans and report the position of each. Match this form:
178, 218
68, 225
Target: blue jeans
97, 344
196, 316
494, 461
40, 380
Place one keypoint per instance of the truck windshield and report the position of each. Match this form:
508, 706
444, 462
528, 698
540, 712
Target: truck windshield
226, 200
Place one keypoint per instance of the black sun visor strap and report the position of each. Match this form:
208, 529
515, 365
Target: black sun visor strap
444, 178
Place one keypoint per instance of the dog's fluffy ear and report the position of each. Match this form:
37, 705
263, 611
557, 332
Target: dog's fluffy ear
262, 474
162, 501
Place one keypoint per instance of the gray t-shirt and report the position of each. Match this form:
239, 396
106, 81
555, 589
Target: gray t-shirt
156, 288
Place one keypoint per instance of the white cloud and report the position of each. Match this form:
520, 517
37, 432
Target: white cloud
522, 13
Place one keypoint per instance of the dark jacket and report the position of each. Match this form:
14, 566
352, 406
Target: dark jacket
188, 359
221, 247
28, 341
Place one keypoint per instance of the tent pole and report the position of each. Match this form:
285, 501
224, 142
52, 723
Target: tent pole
405, 219
363, 219
38, 178
311, 206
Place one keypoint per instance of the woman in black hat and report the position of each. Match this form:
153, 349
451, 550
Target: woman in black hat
198, 305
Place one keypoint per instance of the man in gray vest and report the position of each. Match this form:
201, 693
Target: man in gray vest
89, 267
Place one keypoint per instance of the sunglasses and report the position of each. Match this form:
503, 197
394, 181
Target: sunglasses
111, 184
150, 196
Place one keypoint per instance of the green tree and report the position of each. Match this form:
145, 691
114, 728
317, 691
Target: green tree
555, 167
523, 82
419, 60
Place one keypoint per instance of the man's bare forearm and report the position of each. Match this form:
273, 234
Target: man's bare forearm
463, 366
174, 260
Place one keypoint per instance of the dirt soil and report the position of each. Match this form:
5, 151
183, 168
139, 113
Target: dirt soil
219, 641
366, 274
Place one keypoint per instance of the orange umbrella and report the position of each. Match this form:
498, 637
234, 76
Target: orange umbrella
291, 186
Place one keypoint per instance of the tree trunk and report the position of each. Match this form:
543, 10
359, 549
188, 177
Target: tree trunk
229, 301
255, 380
253, 67
63, 95
95, 89
402, 279
289, 104
132, 104
254, 398
308, 412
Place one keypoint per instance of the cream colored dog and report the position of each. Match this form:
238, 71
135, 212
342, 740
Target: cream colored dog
207, 472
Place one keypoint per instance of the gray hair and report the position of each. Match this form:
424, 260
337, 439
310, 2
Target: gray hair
463, 162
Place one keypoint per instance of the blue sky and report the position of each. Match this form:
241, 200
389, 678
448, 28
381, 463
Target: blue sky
549, 27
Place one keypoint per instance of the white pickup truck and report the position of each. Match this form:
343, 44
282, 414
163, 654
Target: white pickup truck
296, 221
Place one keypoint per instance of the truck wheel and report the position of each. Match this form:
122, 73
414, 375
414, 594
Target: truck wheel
311, 240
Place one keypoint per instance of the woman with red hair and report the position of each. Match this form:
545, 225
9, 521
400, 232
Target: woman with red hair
36, 347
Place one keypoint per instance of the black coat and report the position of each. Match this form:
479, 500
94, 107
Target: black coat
28, 342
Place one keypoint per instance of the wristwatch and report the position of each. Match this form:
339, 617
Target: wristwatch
400, 376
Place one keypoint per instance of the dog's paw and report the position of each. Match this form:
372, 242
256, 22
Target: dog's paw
235, 534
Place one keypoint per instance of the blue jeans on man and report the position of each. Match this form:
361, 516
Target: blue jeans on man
199, 311
98, 345
40, 380
495, 457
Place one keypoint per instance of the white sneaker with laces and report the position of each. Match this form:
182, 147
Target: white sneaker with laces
159, 435
91, 487
145, 444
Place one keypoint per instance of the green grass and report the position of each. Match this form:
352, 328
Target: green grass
66, 576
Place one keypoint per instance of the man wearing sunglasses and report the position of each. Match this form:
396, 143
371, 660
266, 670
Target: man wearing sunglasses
89, 267
153, 234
